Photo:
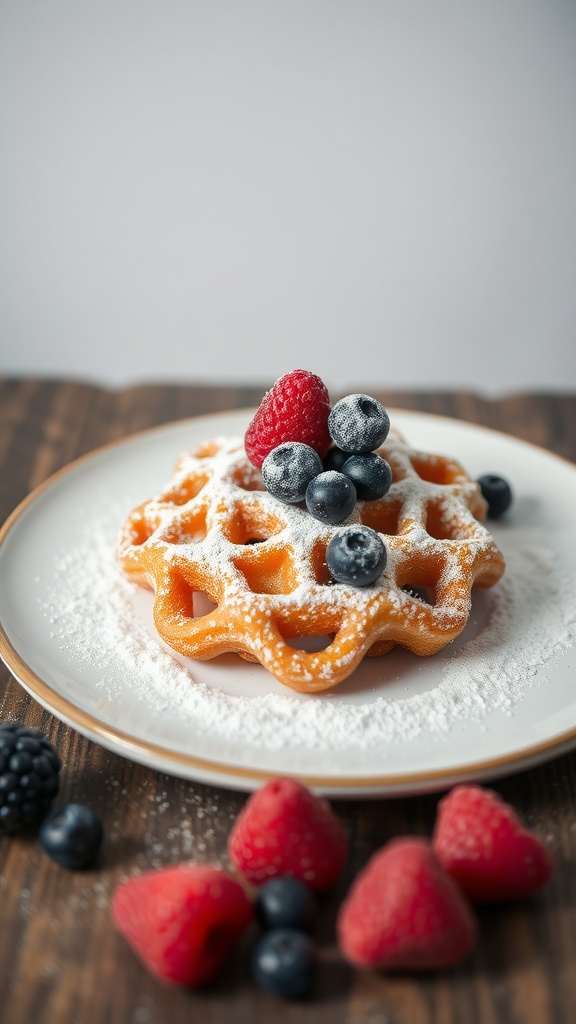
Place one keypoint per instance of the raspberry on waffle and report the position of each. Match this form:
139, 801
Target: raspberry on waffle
214, 530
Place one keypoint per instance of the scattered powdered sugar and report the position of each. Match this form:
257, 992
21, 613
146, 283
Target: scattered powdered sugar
96, 616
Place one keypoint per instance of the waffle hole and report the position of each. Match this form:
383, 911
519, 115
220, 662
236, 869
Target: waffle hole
185, 490
274, 574
311, 644
249, 527
190, 530
319, 567
436, 470
202, 605
439, 525
419, 593
140, 530
248, 481
420, 581
382, 516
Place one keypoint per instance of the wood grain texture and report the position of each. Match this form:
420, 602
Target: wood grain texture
61, 961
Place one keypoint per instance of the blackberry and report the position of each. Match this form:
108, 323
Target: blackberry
29, 767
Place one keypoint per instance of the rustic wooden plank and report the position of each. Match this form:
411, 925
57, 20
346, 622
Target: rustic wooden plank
60, 959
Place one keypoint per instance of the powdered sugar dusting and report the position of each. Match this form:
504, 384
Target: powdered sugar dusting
97, 617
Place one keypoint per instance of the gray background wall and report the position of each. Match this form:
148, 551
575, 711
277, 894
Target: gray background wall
211, 190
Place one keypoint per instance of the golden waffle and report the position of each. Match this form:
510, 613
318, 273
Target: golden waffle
215, 531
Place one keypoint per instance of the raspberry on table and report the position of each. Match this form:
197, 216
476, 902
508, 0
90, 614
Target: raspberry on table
288, 469
358, 423
182, 921
404, 912
29, 767
482, 844
285, 829
295, 409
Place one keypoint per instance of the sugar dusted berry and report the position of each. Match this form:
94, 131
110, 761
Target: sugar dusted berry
497, 492
288, 469
182, 921
370, 474
330, 497
284, 963
285, 829
295, 409
285, 903
72, 835
29, 767
356, 555
358, 423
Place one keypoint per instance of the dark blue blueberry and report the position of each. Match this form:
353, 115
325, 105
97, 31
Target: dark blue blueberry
330, 497
285, 903
288, 469
356, 555
370, 474
358, 423
284, 962
29, 768
71, 835
335, 459
497, 492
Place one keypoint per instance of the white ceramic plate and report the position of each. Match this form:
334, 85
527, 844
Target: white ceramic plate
499, 699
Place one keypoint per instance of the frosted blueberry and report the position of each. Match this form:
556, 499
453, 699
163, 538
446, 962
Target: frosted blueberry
356, 555
358, 423
288, 469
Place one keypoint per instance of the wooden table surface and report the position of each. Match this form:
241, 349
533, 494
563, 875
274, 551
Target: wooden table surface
61, 961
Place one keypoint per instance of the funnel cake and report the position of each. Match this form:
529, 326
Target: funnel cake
215, 531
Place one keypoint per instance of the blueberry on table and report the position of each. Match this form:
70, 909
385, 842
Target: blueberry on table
284, 963
370, 474
288, 469
356, 555
29, 767
358, 423
497, 493
330, 497
71, 835
285, 903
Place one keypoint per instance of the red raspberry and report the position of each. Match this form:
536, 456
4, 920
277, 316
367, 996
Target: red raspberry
182, 921
405, 913
296, 409
285, 829
482, 844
